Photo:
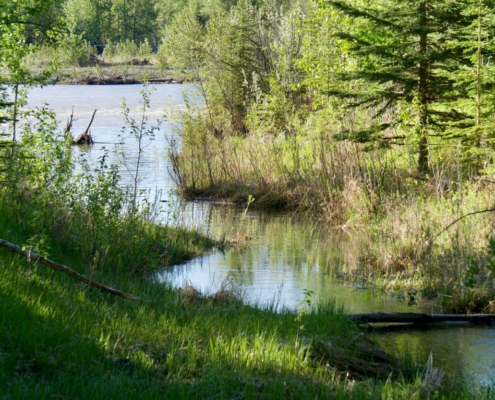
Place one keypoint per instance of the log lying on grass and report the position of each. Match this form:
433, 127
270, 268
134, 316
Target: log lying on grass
62, 268
416, 318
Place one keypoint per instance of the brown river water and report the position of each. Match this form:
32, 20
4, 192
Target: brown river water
286, 254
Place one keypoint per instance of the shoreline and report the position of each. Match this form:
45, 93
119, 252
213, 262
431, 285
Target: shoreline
112, 74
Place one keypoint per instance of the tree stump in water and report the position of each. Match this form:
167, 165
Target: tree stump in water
85, 137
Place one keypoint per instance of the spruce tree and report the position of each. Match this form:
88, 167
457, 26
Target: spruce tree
406, 54
478, 42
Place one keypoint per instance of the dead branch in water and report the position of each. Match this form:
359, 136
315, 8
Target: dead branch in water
68, 127
62, 268
85, 137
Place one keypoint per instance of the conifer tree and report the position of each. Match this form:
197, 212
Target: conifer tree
405, 54
478, 42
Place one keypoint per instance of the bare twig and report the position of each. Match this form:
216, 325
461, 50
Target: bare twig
464, 216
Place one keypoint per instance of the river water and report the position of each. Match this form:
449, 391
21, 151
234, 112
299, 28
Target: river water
286, 255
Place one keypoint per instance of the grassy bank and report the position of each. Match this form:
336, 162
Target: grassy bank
377, 193
61, 339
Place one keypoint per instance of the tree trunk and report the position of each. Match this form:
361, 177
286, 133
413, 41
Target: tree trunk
478, 78
125, 20
16, 98
423, 91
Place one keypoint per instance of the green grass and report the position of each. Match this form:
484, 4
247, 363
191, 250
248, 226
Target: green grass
60, 339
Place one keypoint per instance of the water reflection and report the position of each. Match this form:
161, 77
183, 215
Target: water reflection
283, 251
467, 351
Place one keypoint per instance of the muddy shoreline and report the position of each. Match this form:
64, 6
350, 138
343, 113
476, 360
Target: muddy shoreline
124, 80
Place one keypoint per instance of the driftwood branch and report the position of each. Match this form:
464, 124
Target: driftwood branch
417, 318
90, 123
62, 268
69, 122
85, 137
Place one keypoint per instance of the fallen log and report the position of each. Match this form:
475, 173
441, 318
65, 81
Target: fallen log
417, 318
107, 80
160, 80
62, 268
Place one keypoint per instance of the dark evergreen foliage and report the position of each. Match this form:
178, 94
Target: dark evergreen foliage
406, 54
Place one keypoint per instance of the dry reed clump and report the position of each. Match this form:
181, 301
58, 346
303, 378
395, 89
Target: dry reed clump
228, 292
462, 300
432, 378
356, 359
355, 203
418, 243
189, 295
238, 240
393, 258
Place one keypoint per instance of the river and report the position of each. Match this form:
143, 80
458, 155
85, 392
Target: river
286, 255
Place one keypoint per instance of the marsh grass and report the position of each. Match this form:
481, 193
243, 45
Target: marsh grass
375, 192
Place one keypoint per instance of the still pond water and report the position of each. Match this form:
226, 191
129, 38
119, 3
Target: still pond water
285, 256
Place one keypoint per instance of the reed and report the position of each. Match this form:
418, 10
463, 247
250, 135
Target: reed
401, 215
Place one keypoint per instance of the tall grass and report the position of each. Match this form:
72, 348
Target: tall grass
375, 191
73, 52
127, 51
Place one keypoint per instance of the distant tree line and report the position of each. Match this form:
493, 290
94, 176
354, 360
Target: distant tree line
103, 21
418, 69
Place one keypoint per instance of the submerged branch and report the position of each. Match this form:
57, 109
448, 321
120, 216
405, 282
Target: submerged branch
417, 318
